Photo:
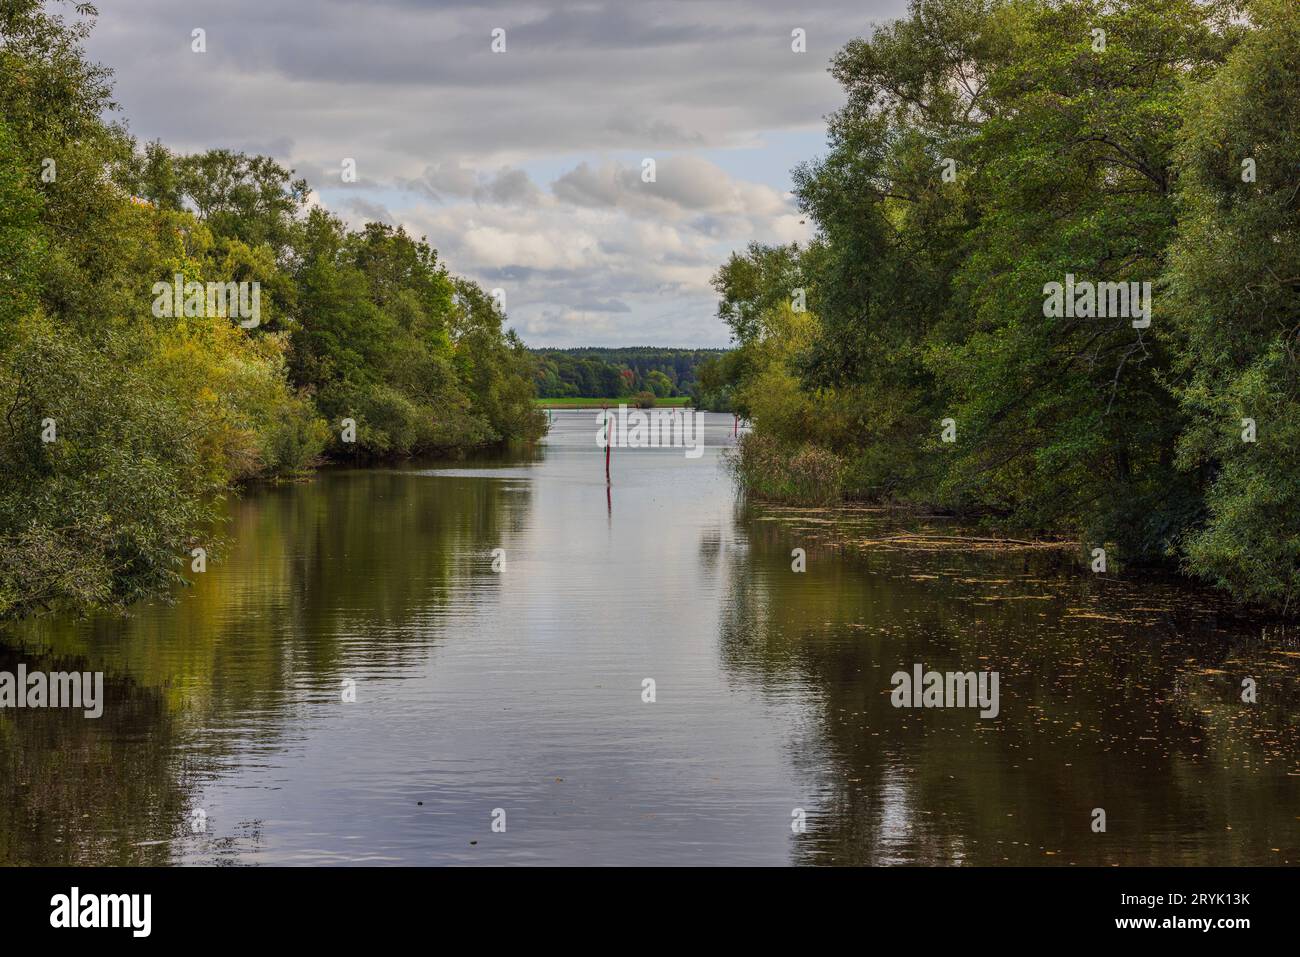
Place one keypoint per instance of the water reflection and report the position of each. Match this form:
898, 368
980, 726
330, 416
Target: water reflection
338, 578
1123, 694
521, 689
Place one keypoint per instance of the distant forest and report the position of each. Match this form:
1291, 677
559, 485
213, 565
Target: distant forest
611, 373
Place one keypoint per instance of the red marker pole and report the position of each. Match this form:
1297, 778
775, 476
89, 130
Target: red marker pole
609, 442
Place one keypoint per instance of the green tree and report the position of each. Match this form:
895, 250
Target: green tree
659, 383
1234, 288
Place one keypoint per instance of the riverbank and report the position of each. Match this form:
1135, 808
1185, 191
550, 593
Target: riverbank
918, 531
520, 687
925, 352
128, 419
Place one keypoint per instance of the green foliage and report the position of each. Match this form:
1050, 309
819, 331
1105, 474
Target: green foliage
926, 290
754, 283
21, 241
1064, 421
153, 417
659, 384
806, 474
1234, 286
100, 515
617, 373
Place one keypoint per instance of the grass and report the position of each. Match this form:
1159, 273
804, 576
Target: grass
805, 474
580, 402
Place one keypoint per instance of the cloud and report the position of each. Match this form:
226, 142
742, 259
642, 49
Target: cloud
509, 186
367, 212
596, 305
522, 167
445, 180
587, 273
682, 185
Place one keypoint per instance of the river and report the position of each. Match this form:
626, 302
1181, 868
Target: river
501, 715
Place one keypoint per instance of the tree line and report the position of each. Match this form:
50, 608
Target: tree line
988, 154
123, 424
593, 372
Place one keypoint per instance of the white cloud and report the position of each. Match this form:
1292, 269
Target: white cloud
518, 166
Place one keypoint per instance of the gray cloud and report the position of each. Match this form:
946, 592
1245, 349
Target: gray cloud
369, 212
514, 164
443, 181
597, 305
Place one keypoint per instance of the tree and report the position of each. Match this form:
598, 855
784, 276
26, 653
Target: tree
1234, 287
123, 425
658, 383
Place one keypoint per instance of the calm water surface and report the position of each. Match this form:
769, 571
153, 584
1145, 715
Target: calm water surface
522, 689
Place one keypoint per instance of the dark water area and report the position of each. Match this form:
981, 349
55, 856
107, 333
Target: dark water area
226, 739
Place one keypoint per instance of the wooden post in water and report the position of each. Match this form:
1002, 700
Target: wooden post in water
735, 425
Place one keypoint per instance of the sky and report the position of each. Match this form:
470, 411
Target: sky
525, 168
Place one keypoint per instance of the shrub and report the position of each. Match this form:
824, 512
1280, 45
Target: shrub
806, 474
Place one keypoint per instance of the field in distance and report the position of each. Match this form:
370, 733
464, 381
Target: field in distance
581, 402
